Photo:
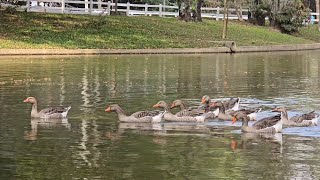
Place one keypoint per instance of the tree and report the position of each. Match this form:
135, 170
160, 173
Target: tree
225, 19
238, 7
198, 11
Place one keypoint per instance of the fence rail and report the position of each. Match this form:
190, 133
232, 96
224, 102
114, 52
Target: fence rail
105, 8
98, 7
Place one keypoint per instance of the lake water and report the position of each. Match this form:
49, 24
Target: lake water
91, 144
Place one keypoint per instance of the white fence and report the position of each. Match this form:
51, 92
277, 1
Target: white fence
105, 8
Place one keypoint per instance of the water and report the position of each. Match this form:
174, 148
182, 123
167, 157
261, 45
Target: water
91, 144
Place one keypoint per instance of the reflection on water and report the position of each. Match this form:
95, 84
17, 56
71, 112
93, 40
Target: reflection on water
45, 123
91, 144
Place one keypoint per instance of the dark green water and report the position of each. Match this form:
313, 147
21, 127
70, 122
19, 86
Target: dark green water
91, 144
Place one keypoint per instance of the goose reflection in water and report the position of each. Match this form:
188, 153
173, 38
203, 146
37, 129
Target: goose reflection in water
249, 139
46, 124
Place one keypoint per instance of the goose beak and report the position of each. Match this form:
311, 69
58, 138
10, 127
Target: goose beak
203, 101
234, 120
26, 100
275, 110
108, 109
173, 105
155, 106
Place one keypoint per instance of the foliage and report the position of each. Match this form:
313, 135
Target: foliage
11, 9
38, 30
291, 17
260, 12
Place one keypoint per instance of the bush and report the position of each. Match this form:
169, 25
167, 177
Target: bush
260, 13
291, 17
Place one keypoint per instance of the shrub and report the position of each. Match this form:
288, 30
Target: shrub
291, 17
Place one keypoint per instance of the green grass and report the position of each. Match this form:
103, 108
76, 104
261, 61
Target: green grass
38, 30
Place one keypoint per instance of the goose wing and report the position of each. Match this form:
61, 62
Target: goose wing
230, 103
141, 114
307, 116
55, 110
266, 122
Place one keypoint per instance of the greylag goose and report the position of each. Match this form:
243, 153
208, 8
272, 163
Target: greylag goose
185, 110
227, 115
266, 125
187, 118
140, 116
309, 119
232, 103
47, 113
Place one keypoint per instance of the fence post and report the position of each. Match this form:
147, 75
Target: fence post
62, 6
145, 9
99, 4
128, 8
108, 8
218, 13
160, 10
91, 6
28, 5
86, 5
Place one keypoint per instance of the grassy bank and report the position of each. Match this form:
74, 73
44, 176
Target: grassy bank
37, 30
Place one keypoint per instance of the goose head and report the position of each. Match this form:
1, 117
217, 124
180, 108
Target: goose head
239, 116
205, 99
31, 100
279, 109
113, 107
161, 104
176, 103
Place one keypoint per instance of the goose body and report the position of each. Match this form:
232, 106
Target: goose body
47, 113
185, 118
137, 117
185, 110
232, 103
308, 119
266, 125
227, 114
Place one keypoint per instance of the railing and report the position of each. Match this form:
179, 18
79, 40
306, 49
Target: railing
105, 8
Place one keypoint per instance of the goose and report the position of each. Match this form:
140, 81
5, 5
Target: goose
266, 125
140, 116
308, 119
232, 103
186, 118
47, 113
185, 110
227, 115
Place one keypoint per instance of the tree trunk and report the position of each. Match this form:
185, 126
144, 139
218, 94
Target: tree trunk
224, 19
238, 6
317, 11
179, 8
199, 5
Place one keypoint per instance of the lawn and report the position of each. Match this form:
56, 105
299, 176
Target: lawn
39, 30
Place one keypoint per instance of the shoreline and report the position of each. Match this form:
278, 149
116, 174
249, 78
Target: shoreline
242, 49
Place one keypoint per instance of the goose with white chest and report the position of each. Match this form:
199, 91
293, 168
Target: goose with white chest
47, 113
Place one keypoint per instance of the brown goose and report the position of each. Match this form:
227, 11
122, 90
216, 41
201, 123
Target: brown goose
266, 125
309, 119
140, 116
227, 115
48, 113
185, 110
187, 118
232, 103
